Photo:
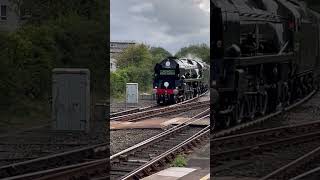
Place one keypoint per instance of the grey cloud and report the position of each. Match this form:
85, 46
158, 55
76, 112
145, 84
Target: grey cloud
171, 24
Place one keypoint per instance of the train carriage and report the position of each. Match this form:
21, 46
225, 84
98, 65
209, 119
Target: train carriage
264, 56
176, 80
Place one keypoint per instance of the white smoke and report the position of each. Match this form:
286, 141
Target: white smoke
193, 56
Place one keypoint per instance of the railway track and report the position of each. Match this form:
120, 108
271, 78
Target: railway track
242, 145
142, 155
161, 111
93, 157
302, 168
236, 148
139, 113
235, 129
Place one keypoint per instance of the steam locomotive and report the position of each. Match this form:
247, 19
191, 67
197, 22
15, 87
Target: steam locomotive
264, 57
176, 80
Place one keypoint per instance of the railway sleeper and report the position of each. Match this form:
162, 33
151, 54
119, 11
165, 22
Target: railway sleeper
163, 146
169, 143
118, 173
178, 138
141, 157
126, 169
128, 163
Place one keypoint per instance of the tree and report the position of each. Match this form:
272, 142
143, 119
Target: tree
201, 51
135, 55
57, 34
158, 54
136, 65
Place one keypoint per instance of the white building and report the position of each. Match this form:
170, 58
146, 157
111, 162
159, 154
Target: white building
11, 16
113, 65
9, 20
117, 47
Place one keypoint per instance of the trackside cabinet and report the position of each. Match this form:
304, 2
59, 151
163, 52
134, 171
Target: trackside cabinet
71, 99
132, 93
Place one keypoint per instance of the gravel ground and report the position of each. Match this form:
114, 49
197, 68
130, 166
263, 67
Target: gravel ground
123, 139
41, 142
261, 165
121, 106
306, 112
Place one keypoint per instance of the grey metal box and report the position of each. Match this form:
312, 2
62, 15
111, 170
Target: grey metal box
71, 99
132, 93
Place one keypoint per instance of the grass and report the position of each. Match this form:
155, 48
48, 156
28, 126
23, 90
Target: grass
24, 114
179, 161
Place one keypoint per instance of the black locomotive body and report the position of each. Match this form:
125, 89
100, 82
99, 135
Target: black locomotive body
264, 56
176, 80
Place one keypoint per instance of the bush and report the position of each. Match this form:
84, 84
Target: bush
179, 161
70, 37
201, 51
136, 65
26, 62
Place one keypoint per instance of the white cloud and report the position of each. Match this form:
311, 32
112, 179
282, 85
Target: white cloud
138, 8
171, 24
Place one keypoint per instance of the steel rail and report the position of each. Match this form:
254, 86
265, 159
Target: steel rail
310, 126
284, 171
137, 110
91, 169
182, 108
91, 149
309, 175
260, 147
232, 130
205, 131
161, 135
51, 160
155, 112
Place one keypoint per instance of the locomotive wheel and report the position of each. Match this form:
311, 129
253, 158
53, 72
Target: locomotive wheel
252, 107
226, 121
272, 98
286, 95
249, 107
299, 92
310, 83
239, 112
263, 103
176, 100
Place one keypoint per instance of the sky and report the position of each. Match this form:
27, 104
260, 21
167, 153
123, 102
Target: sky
171, 24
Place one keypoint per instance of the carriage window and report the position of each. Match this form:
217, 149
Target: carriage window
167, 72
3, 12
259, 39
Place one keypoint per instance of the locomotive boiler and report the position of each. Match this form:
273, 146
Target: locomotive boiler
264, 56
176, 80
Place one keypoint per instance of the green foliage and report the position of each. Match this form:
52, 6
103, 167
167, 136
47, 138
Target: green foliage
179, 161
201, 51
135, 55
58, 34
42, 11
118, 81
158, 54
81, 43
26, 61
136, 65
